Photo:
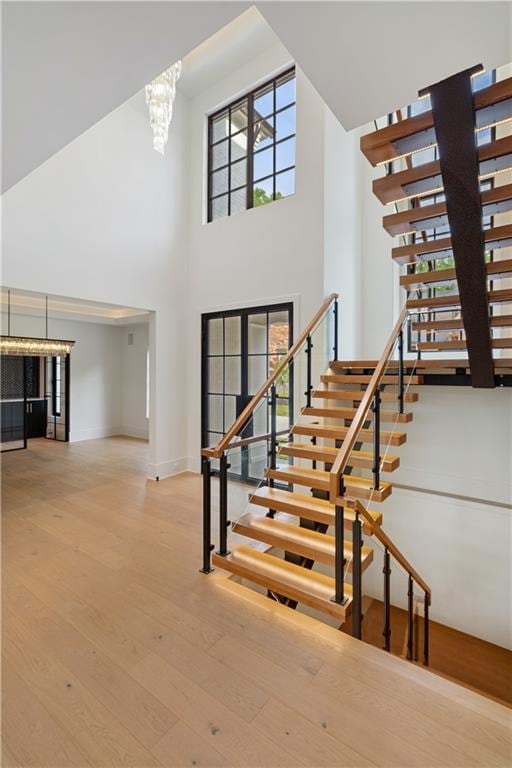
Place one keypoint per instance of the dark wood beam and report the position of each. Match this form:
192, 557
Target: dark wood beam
454, 121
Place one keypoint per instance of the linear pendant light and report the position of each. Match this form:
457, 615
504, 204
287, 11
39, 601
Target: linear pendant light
32, 345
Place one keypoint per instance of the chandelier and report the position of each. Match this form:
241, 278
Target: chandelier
32, 345
160, 95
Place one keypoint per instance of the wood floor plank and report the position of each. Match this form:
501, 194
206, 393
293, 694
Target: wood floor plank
96, 732
240, 743
261, 668
188, 749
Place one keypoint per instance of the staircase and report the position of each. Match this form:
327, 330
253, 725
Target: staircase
448, 173
301, 536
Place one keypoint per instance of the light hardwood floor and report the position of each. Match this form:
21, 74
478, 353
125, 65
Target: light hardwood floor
117, 651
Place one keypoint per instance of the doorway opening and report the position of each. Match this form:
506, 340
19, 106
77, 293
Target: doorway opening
240, 350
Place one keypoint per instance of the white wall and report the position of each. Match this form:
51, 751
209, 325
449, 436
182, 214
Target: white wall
103, 220
265, 254
133, 378
95, 407
459, 445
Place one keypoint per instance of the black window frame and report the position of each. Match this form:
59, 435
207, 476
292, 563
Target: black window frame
284, 76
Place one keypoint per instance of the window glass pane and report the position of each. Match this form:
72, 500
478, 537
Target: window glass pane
219, 154
215, 336
263, 163
239, 117
264, 102
285, 154
239, 146
239, 174
278, 333
257, 333
219, 207
220, 182
262, 192
263, 133
239, 200
215, 374
285, 184
285, 123
220, 127
232, 331
285, 92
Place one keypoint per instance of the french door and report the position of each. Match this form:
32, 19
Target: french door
240, 350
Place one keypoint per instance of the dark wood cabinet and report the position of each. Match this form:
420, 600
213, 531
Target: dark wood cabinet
36, 418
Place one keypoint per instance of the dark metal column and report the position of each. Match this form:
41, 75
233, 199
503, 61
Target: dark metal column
454, 121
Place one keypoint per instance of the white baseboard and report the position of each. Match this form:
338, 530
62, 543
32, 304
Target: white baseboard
167, 468
93, 433
194, 463
134, 432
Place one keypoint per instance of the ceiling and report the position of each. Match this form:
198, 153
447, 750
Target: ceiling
68, 64
59, 307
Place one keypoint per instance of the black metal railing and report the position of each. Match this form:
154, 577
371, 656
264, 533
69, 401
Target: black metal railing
412, 577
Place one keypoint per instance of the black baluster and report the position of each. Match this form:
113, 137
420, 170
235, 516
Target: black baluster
309, 386
401, 372
376, 440
387, 601
339, 557
426, 632
357, 543
410, 619
272, 453
207, 514
223, 506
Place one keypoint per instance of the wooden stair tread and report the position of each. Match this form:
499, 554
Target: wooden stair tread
354, 394
379, 145
319, 480
457, 324
349, 413
327, 454
413, 364
405, 222
313, 545
306, 586
495, 297
495, 270
393, 187
505, 343
309, 507
354, 378
338, 433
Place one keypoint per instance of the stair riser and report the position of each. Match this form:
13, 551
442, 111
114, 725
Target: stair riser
357, 395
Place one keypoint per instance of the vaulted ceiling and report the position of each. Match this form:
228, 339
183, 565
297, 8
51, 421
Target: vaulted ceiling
68, 64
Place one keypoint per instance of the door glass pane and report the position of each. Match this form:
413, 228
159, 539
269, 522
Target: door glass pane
257, 371
215, 336
257, 333
216, 413
232, 335
229, 411
216, 378
233, 378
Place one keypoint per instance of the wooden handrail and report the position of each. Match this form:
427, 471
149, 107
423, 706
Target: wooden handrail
217, 450
362, 412
392, 549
